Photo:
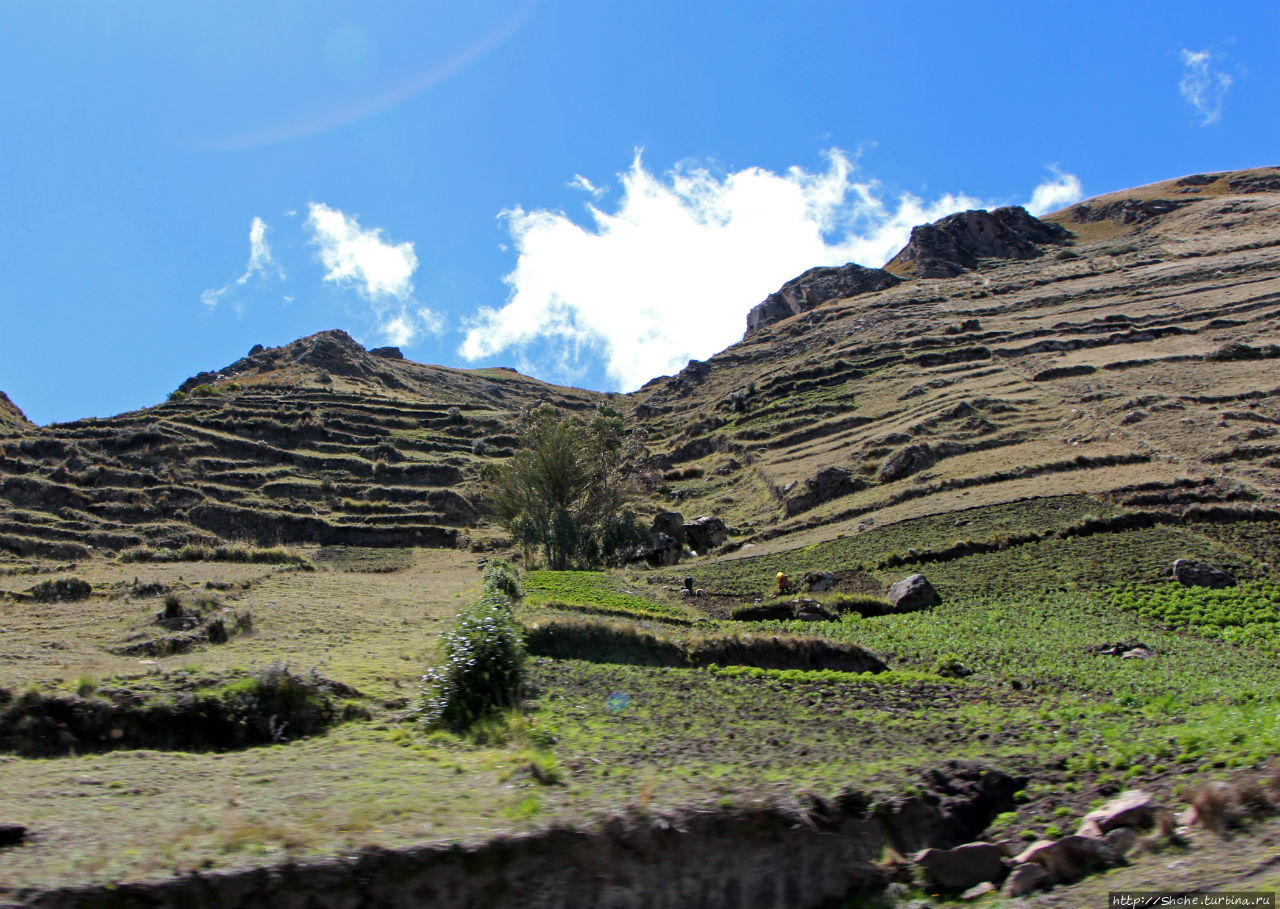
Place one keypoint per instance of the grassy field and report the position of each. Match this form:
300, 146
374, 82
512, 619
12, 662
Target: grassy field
1007, 670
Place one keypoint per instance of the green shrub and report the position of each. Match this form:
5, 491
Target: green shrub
500, 575
484, 665
483, 671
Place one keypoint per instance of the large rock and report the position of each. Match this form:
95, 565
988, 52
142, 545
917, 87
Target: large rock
815, 287
827, 484
906, 461
705, 533
818, 581
962, 867
954, 244
663, 551
1190, 573
671, 523
1134, 808
1023, 879
1070, 858
912, 594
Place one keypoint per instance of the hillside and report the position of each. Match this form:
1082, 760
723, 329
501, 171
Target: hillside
1041, 415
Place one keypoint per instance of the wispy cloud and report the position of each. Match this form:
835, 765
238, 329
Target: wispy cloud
406, 326
380, 271
1203, 86
260, 264
670, 273
1055, 193
582, 183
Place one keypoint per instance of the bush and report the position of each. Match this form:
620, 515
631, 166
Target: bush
483, 672
500, 575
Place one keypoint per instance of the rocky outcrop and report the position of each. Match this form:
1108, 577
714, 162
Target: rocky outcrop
906, 461
956, 243
827, 484
1126, 211
815, 287
1190, 573
387, 353
912, 594
334, 352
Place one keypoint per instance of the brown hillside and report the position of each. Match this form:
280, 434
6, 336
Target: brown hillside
1137, 357
12, 419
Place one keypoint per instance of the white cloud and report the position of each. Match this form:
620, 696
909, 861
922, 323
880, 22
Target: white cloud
260, 264
404, 326
582, 183
398, 330
1053, 194
352, 255
1202, 86
432, 321
380, 271
670, 274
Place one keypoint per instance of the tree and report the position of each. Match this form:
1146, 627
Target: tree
567, 487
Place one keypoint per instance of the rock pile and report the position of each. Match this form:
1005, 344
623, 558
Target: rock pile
1105, 836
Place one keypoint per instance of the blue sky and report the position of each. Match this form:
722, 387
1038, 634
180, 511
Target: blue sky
591, 192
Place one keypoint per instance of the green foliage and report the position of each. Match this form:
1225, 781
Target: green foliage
592, 592
567, 487
1248, 613
484, 666
500, 575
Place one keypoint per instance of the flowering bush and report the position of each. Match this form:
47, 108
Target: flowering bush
483, 670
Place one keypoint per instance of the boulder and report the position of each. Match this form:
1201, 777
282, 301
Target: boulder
912, 594
1023, 879
815, 287
1134, 808
818, 581
664, 550
827, 484
962, 867
1122, 840
1070, 858
978, 891
12, 834
387, 353
705, 533
671, 523
1190, 573
906, 461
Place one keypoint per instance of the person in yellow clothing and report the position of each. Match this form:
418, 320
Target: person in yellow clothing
784, 583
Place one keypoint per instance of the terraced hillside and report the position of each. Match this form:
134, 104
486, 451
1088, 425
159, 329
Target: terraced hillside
318, 441
1040, 415
1135, 362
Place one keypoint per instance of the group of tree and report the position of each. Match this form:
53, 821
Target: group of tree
567, 489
